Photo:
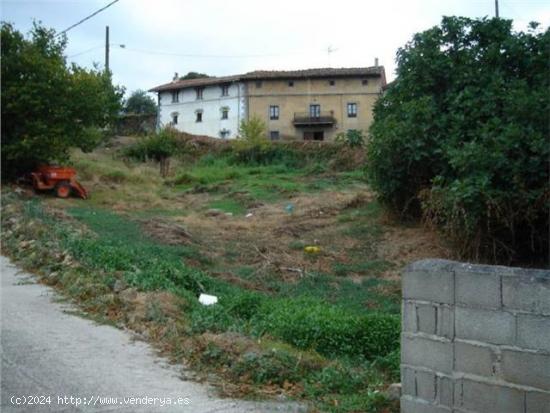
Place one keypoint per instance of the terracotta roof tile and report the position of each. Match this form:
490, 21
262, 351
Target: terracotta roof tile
274, 74
307, 73
203, 81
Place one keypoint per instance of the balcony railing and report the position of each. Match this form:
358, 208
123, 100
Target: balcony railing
314, 119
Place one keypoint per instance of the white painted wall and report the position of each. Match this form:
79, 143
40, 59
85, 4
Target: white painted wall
211, 105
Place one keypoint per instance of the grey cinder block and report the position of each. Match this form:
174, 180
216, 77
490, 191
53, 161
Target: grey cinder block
433, 354
479, 289
410, 405
426, 385
526, 368
445, 321
445, 391
537, 402
473, 359
487, 398
408, 317
533, 332
527, 293
435, 286
426, 318
408, 381
495, 327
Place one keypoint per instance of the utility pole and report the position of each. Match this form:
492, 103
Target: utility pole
496, 9
107, 49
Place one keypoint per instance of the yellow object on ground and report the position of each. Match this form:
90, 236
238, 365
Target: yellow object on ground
312, 249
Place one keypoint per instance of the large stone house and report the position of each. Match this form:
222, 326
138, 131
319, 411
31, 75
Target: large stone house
313, 104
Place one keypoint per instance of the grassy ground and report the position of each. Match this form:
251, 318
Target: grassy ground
319, 327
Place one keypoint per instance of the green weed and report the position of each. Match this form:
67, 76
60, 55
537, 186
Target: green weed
228, 205
372, 268
323, 319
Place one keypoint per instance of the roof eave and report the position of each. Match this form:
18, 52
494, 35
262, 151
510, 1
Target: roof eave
377, 71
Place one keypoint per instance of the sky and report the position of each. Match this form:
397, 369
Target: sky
161, 37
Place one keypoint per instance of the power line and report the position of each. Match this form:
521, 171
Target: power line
85, 51
87, 18
208, 56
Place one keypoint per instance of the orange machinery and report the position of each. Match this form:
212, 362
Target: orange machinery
61, 179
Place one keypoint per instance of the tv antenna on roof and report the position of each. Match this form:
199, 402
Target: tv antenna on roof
330, 50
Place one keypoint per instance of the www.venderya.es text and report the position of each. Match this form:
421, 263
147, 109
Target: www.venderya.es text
95, 400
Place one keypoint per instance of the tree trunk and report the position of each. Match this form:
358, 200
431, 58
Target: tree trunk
164, 167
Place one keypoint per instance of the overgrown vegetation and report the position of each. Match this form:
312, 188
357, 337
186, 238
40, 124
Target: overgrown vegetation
317, 327
48, 107
353, 138
159, 147
461, 137
88, 262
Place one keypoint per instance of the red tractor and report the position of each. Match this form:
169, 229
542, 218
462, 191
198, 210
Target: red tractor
61, 179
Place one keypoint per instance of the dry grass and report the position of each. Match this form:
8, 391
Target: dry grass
403, 245
263, 240
271, 241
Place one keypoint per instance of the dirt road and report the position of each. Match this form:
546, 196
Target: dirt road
48, 352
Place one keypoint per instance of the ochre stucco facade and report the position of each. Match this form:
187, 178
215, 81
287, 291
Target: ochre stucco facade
296, 100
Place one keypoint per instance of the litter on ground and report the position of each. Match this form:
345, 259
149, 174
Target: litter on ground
206, 299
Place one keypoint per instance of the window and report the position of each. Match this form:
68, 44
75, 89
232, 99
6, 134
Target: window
274, 112
198, 116
314, 111
225, 113
175, 96
199, 91
174, 118
331, 82
291, 83
352, 110
224, 133
364, 82
274, 135
225, 90
258, 84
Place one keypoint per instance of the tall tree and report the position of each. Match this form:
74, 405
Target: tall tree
461, 136
193, 75
140, 103
47, 106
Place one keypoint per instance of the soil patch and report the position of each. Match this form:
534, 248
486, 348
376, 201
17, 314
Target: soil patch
167, 232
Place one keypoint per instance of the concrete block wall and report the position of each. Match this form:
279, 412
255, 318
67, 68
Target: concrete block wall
475, 339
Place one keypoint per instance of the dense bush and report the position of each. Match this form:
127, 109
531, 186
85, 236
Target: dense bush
252, 146
461, 137
352, 137
158, 146
155, 147
266, 155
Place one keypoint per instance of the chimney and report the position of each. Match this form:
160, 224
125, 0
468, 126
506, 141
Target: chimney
376, 62
176, 77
